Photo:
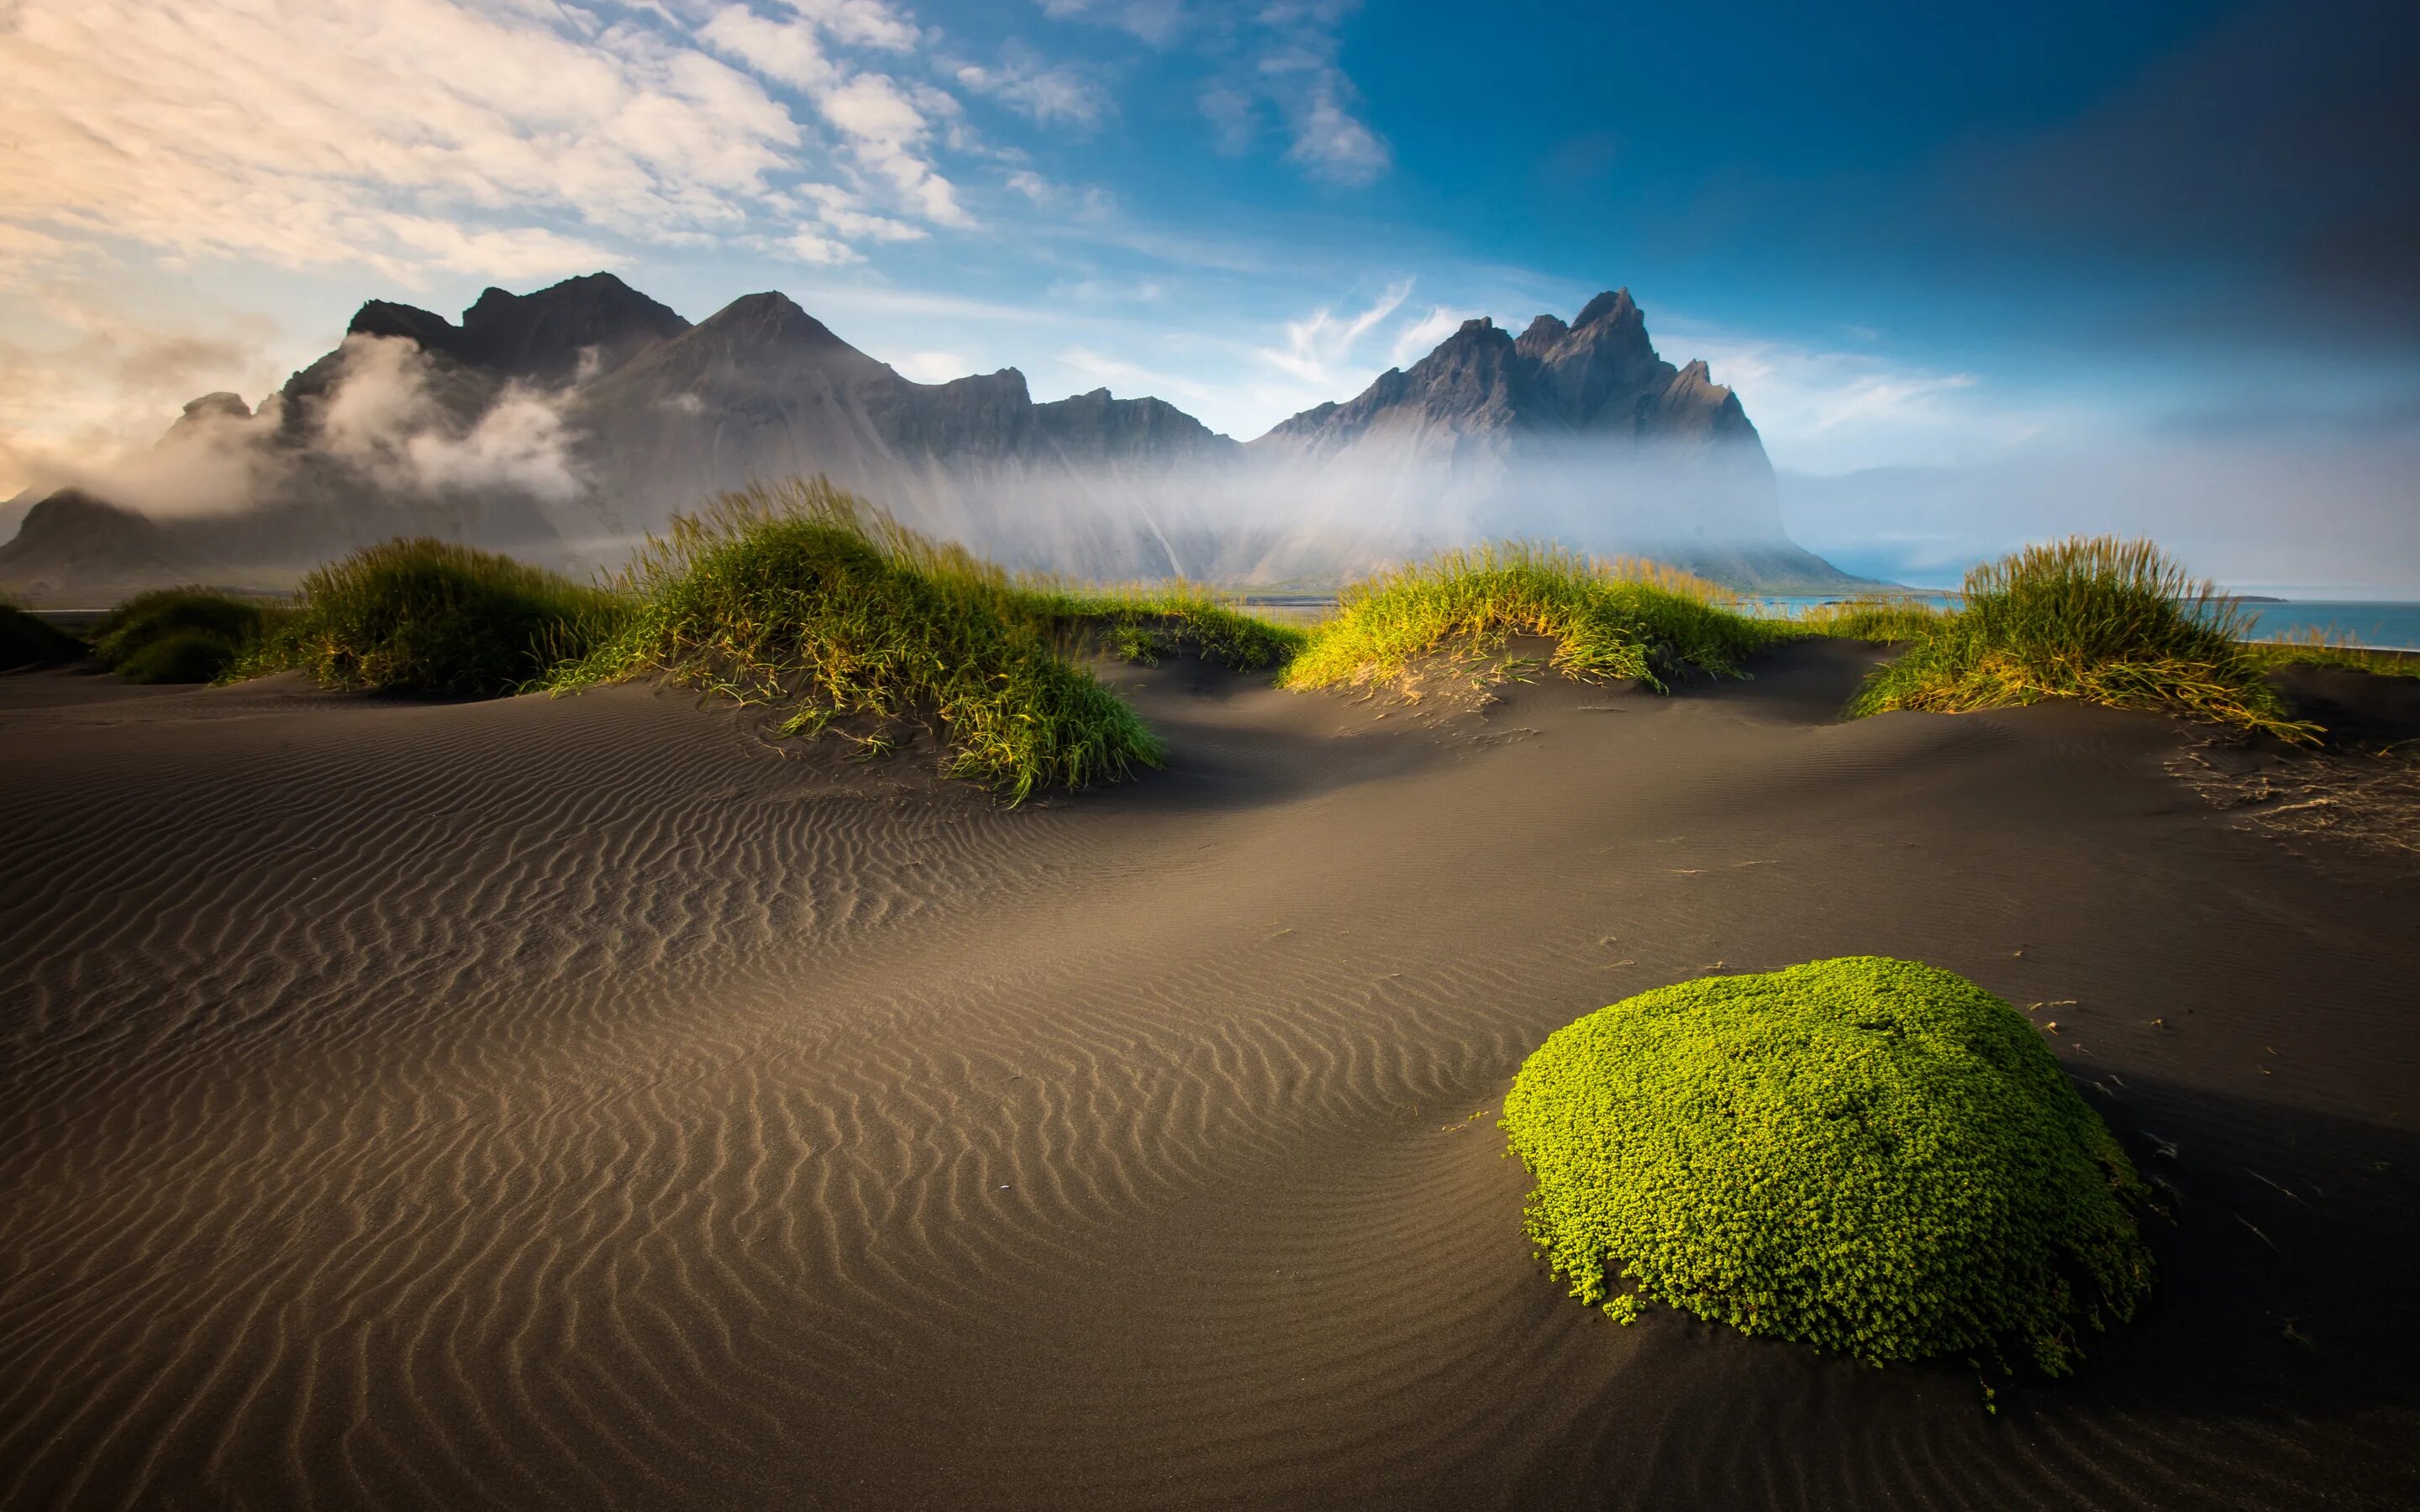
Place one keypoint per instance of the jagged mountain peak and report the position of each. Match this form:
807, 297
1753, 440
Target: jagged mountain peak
1598, 376
576, 328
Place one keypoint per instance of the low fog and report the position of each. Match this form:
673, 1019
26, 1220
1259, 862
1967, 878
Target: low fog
2310, 511
378, 439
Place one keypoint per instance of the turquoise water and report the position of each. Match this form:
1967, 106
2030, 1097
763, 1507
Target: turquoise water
2362, 623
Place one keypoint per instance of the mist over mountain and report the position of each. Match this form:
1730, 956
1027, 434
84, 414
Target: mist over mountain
564, 423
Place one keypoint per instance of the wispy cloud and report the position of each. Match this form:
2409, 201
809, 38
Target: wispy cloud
1827, 410
1156, 21
1050, 93
415, 137
1319, 347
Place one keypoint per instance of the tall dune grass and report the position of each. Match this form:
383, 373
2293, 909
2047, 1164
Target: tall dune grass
1877, 619
183, 635
30, 640
432, 617
1624, 618
2098, 619
1146, 623
803, 595
2314, 647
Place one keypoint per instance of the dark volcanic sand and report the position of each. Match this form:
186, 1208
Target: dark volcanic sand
583, 1104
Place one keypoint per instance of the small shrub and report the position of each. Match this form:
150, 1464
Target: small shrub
1619, 619
2097, 619
1870, 1156
806, 596
432, 617
30, 640
182, 635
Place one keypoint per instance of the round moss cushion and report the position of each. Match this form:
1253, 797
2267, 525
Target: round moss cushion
1871, 1156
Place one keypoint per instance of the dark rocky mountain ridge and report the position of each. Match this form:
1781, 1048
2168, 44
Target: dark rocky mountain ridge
586, 412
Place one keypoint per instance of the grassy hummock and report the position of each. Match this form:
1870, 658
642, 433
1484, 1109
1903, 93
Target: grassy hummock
2093, 618
1608, 619
1146, 623
432, 617
2316, 648
803, 595
1871, 1156
30, 640
1877, 619
182, 635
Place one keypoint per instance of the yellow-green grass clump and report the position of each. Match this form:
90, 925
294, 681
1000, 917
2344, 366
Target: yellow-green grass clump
803, 595
1147, 622
2094, 618
1624, 618
30, 640
182, 635
1876, 619
432, 617
2315, 647
1875, 1157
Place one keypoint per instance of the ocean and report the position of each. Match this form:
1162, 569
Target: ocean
2382, 623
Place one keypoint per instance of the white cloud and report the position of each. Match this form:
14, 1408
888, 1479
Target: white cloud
822, 251
886, 132
1319, 349
1044, 92
1825, 410
403, 135
1031, 185
1295, 72
933, 367
790, 53
1416, 341
1156, 22
113, 379
842, 212
862, 23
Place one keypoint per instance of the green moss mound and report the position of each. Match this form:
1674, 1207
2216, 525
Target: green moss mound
2094, 618
430, 617
181, 635
1608, 619
1872, 1156
805, 597
30, 640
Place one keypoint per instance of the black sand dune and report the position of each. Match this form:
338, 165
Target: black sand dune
585, 1103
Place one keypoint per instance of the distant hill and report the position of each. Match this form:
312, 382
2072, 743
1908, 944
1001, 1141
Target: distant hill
560, 423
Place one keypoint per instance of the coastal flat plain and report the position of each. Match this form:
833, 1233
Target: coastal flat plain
590, 1103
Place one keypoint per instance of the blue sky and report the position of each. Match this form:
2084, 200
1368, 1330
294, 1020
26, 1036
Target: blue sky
1997, 240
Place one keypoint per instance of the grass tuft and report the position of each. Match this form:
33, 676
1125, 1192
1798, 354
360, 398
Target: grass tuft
2099, 619
1875, 1157
1624, 618
1146, 624
30, 640
432, 617
1878, 619
2314, 648
182, 635
803, 595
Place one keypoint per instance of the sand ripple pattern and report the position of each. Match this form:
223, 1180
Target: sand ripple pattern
578, 1103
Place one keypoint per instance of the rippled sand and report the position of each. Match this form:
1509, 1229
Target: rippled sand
585, 1103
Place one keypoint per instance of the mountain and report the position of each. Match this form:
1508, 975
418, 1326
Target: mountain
763, 389
561, 423
1581, 432
1481, 390
73, 545
579, 327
